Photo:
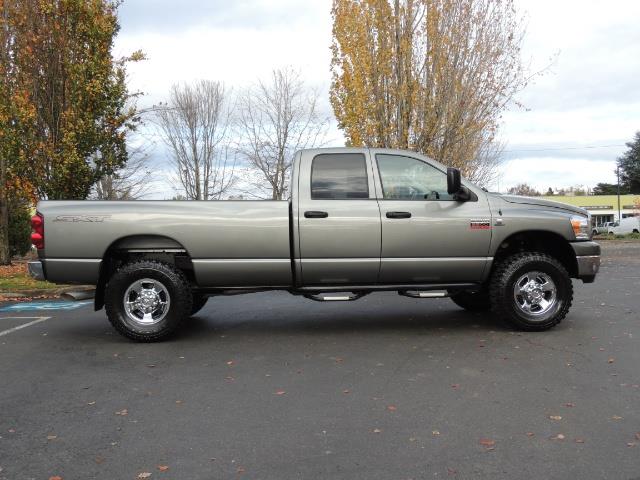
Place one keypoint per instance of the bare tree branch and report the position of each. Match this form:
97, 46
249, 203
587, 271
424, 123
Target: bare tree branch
276, 119
194, 125
133, 180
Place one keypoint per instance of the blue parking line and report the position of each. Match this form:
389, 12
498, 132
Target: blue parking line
44, 305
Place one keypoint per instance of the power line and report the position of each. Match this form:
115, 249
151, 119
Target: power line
552, 149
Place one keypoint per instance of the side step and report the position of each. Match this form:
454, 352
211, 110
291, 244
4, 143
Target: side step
423, 294
324, 297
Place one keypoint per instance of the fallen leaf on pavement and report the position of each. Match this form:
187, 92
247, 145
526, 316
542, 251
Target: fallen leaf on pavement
230, 362
280, 392
455, 386
631, 444
163, 468
392, 408
579, 440
144, 474
530, 434
611, 360
346, 391
91, 403
122, 412
555, 417
616, 417
51, 437
55, 477
376, 430
569, 404
240, 470
558, 437
435, 433
486, 442
178, 402
638, 436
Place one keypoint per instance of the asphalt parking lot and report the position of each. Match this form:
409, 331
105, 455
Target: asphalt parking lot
271, 386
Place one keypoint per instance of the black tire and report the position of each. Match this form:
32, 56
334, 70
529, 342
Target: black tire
199, 301
472, 301
175, 292
506, 304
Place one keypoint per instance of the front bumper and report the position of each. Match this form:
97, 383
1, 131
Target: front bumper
36, 270
588, 260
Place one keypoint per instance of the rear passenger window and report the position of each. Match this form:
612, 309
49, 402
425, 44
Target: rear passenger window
339, 176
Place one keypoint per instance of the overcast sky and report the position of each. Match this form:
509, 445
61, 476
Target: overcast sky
588, 97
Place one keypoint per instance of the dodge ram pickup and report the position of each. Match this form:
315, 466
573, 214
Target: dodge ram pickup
358, 221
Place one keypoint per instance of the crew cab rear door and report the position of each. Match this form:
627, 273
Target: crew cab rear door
427, 236
338, 217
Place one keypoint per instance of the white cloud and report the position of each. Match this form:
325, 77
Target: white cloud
545, 172
590, 96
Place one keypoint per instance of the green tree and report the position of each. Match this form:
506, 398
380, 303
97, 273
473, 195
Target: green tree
550, 192
64, 105
77, 89
607, 189
629, 164
19, 226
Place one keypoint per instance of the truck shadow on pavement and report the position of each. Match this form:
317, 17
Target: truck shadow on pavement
210, 324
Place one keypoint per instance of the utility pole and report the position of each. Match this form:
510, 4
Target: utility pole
619, 210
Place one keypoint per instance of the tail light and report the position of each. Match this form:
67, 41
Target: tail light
37, 231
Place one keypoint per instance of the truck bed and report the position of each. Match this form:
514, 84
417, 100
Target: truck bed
230, 242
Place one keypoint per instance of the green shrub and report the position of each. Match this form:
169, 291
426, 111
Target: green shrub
19, 228
628, 236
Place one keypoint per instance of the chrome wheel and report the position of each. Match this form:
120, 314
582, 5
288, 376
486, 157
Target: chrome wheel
146, 301
535, 293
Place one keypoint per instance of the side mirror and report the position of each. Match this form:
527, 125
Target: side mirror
453, 181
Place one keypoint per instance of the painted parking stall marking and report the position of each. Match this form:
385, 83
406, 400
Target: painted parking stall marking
34, 321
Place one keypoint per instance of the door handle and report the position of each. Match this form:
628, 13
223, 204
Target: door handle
315, 214
398, 214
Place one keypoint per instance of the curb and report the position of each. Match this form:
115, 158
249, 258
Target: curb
45, 292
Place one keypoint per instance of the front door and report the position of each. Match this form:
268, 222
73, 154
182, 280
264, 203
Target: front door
338, 219
427, 236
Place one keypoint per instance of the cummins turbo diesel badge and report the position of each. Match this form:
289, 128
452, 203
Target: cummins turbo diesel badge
481, 224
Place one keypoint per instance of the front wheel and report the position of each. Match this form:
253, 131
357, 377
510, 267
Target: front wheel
147, 300
531, 291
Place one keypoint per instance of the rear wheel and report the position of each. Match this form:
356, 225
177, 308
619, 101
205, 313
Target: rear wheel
531, 291
146, 300
472, 301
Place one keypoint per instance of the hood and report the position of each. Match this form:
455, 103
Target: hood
543, 203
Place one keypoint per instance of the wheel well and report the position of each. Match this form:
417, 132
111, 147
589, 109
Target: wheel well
141, 247
539, 241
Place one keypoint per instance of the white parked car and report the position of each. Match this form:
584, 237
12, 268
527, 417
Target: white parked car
602, 229
627, 225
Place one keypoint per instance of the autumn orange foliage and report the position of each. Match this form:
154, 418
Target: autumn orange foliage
428, 75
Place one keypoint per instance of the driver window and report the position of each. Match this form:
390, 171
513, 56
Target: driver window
406, 178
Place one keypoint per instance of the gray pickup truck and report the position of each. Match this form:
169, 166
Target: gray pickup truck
359, 220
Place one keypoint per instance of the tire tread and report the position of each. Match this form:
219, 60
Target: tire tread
501, 276
182, 297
